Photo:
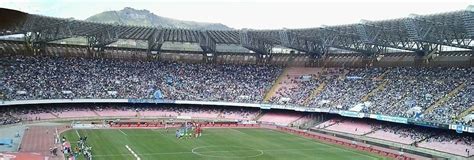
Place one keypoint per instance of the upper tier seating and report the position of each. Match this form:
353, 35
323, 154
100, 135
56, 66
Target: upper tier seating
296, 86
56, 78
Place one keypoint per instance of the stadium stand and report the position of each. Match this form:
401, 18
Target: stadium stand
327, 123
397, 91
296, 86
356, 127
450, 143
73, 113
56, 78
411, 90
424, 137
123, 112
399, 133
448, 111
280, 118
402, 84
51, 112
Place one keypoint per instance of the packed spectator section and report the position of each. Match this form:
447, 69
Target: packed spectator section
460, 102
413, 90
63, 78
296, 86
437, 94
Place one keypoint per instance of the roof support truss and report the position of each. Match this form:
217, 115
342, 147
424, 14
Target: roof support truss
206, 42
252, 42
102, 38
155, 41
293, 41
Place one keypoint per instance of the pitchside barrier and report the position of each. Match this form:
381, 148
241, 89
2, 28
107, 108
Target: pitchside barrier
354, 145
385, 144
415, 121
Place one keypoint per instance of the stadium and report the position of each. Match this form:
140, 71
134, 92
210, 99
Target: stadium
389, 89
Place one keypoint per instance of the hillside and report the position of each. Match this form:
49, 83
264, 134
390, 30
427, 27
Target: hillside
130, 16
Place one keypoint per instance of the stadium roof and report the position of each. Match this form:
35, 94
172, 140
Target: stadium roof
421, 34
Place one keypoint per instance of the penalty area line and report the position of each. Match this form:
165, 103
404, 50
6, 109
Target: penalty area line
133, 153
78, 135
123, 132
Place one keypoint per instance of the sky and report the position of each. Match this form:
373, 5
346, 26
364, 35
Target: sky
254, 14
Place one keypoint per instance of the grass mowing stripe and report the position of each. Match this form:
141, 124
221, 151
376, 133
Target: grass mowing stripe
320, 143
160, 153
339, 148
240, 144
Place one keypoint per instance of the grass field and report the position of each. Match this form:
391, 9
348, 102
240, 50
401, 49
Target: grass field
215, 144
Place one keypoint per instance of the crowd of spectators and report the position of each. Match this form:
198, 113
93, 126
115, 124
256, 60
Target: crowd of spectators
452, 138
447, 112
414, 133
343, 89
297, 90
59, 78
366, 73
410, 91
8, 117
344, 92
450, 141
407, 91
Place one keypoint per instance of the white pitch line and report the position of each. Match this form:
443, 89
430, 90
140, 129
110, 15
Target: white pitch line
78, 134
133, 153
123, 132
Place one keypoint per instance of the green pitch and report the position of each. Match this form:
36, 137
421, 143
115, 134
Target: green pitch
215, 144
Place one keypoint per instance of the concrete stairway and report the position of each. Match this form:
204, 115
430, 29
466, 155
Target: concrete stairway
259, 115
54, 115
466, 112
383, 74
315, 93
374, 91
276, 85
445, 98
284, 80
97, 114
